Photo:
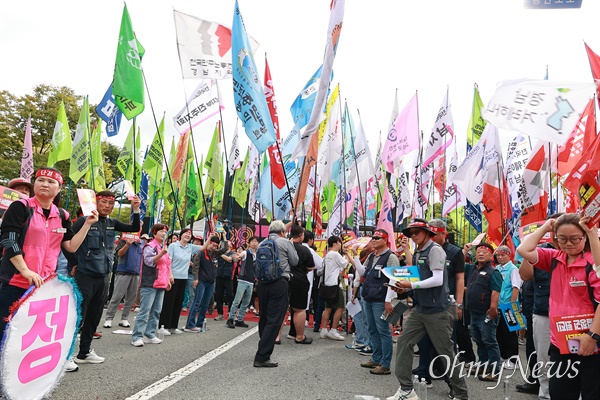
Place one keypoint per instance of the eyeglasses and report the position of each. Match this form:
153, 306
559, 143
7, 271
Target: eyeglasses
573, 239
376, 238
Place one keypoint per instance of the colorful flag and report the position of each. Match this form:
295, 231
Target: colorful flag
404, 135
441, 134
97, 161
542, 109
334, 31
109, 112
80, 157
128, 80
277, 174
330, 149
201, 106
60, 146
27, 157
143, 194
248, 94
153, 163
385, 221
204, 47
302, 106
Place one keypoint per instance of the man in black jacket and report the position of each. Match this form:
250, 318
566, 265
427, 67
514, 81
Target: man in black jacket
92, 264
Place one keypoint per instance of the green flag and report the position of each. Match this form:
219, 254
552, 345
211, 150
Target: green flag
169, 185
97, 160
213, 165
153, 164
80, 157
476, 123
125, 160
240, 186
60, 147
128, 80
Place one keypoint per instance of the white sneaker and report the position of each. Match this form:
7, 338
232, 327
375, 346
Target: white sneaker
404, 395
175, 331
138, 343
70, 366
335, 335
165, 332
509, 365
323, 333
153, 340
90, 358
107, 324
124, 323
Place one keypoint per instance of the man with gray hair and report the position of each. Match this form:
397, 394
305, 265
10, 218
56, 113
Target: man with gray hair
273, 297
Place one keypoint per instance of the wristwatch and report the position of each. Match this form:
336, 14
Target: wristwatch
460, 306
594, 336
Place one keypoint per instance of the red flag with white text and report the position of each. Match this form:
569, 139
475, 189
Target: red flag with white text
277, 174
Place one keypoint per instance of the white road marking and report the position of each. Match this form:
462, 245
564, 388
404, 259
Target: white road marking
171, 379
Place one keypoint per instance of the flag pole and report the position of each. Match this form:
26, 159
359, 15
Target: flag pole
176, 209
360, 196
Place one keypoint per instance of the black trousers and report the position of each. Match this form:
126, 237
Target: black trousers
223, 293
582, 379
93, 292
273, 301
172, 304
507, 341
463, 339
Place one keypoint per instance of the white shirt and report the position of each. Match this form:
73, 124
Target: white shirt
333, 263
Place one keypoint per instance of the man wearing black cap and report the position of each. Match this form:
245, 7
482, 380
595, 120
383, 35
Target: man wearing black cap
377, 300
484, 284
432, 314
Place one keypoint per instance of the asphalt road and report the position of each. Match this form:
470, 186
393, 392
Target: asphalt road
218, 365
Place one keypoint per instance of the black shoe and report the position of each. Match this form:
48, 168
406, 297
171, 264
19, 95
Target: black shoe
242, 324
306, 340
230, 324
532, 388
415, 371
265, 364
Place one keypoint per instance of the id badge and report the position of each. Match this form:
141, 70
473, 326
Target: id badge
577, 283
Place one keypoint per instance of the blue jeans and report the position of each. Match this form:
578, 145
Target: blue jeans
151, 301
362, 334
484, 334
204, 291
379, 333
190, 291
241, 300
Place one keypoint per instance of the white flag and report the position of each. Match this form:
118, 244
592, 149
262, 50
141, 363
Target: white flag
516, 160
542, 109
204, 47
202, 104
234, 154
469, 176
441, 133
253, 163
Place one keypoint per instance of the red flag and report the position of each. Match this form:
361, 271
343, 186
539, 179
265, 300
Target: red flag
439, 175
533, 186
181, 157
277, 174
594, 62
589, 163
581, 138
316, 214
497, 207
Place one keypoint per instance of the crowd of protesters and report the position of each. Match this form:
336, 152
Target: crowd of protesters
454, 303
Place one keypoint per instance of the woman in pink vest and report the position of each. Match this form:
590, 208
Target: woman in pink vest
155, 279
33, 231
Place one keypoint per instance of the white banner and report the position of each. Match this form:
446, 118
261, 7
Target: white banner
202, 104
542, 109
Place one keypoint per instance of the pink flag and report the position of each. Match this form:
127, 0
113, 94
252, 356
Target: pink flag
385, 218
404, 135
27, 159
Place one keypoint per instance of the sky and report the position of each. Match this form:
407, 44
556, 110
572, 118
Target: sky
428, 46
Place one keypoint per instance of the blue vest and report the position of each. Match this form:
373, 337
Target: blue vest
131, 262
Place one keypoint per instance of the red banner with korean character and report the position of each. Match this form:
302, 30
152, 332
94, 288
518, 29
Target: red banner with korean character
8, 196
570, 326
39, 338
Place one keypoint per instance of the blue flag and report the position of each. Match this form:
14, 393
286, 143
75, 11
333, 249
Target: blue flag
248, 94
109, 112
143, 194
473, 215
302, 107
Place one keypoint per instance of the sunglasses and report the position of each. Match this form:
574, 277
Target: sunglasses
376, 238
